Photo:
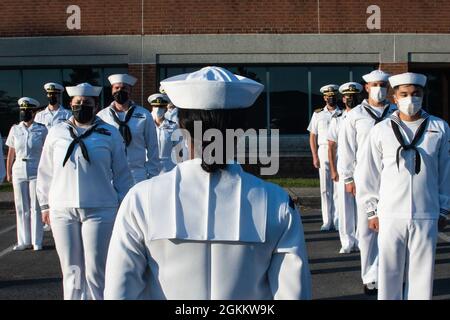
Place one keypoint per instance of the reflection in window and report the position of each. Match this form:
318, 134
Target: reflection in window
289, 98
294, 90
34, 80
10, 92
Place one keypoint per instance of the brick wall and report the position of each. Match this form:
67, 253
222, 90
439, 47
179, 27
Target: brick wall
149, 82
37, 18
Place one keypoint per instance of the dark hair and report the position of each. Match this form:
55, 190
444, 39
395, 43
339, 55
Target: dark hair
212, 119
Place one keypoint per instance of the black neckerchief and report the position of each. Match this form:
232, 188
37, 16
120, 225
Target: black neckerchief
79, 140
123, 125
374, 116
395, 122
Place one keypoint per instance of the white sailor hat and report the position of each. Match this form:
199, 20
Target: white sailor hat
122, 78
84, 89
53, 87
211, 88
329, 89
158, 99
350, 88
375, 76
408, 78
28, 103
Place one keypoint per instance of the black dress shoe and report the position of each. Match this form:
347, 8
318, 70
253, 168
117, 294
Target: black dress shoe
370, 291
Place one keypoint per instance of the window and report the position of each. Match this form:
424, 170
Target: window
291, 92
289, 101
10, 92
17, 83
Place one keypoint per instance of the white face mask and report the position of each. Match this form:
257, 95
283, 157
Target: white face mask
378, 94
159, 112
410, 105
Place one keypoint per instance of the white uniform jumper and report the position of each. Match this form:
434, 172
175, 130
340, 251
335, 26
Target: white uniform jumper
346, 202
83, 180
142, 150
225, 235
166, 145
49, 118
408, 191
328, 188
27, 143
356, 131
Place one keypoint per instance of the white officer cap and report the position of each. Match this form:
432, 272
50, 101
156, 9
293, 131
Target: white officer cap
375, 76
158, 99
84, 90
329, 89
408, 78
28, 103
350, 88
53, 87
211, 88
122, 78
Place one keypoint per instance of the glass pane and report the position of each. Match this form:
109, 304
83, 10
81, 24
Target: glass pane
323, 75
433, 94
74, 76
10, 92
107, 96
289, 99
173, 71
358, 72
256, 114
34, 80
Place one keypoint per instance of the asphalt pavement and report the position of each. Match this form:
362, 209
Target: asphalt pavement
36, 275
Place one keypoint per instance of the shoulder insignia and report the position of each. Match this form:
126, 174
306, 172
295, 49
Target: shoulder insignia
104, 131
318, 110
138, 115
337, 115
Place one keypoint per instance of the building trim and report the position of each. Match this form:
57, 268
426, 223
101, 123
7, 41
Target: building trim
230, 48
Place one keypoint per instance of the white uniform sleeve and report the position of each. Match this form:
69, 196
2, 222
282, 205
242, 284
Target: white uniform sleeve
45, 172
371, 165
10, 139
347, 149
152, 165
2, 162
126, 265
444, 172
122, 179
312, 128
289, 274
332, 130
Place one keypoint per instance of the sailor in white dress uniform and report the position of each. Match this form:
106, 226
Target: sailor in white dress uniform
165, 128
136, 126
318, 128
208, 230
346, 202
82, 178
25, 142
406, 191
356, 130
54, 113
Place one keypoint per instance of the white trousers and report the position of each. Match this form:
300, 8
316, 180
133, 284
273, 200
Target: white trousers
367, 243
328, 190
28, 213
407, 253
347, 216
82, 239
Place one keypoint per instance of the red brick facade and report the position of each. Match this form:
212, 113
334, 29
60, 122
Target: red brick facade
48, 18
